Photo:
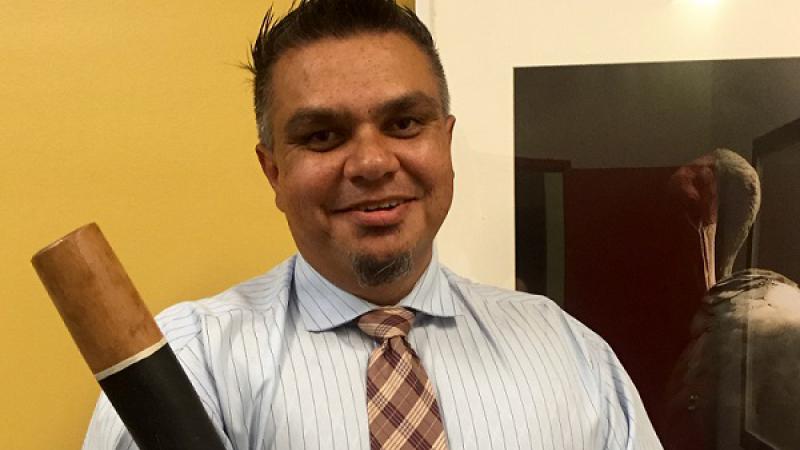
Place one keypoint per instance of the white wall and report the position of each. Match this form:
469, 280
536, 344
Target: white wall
480, 43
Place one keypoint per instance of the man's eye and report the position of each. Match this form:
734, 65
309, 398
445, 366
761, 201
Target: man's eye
321, 136
405, 127
322, 140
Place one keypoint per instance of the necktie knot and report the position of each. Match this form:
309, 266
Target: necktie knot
385, 323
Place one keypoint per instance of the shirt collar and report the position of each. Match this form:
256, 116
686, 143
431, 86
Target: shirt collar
324, 306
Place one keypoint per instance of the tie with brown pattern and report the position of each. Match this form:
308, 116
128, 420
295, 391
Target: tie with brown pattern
401, 404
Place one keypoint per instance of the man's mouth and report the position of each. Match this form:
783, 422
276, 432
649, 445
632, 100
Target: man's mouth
379, 213
376, 205
380, 207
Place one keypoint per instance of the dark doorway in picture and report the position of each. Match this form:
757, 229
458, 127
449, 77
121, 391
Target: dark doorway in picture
775, 240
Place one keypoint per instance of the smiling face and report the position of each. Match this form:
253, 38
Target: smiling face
360, 159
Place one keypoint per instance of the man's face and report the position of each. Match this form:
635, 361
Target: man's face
360, 160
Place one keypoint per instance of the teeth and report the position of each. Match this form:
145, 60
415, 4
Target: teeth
381, 206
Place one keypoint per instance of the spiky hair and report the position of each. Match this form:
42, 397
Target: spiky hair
309, 21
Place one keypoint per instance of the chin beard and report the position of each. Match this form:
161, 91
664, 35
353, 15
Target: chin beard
372, 271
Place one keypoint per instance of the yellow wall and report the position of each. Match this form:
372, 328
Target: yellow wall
133, 115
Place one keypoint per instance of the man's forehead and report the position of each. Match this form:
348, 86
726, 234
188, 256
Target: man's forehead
364, 69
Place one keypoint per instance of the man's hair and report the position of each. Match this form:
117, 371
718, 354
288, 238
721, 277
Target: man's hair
313, 20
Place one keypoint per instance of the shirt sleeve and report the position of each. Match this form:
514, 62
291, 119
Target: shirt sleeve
107, 432
628, 426
182, 328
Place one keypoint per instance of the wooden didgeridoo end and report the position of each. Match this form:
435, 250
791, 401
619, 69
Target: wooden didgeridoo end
122, 344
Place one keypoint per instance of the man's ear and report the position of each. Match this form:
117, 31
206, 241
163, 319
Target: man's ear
266, 157
267, 160
450, 123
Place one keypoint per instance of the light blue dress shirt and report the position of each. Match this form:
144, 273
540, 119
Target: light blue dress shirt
278, 364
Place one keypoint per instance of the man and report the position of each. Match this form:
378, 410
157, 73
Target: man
355, 134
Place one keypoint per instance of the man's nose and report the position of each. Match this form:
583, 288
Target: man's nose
371, 157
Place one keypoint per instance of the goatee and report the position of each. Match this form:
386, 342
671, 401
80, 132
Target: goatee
372, 271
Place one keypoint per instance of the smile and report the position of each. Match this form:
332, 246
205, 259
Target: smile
380, 213
382, 206
375, 205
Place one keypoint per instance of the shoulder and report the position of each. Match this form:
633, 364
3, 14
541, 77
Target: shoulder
492, 295
259, 296
561, 348
532, 314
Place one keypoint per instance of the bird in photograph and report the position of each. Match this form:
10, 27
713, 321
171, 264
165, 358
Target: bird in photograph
737, 384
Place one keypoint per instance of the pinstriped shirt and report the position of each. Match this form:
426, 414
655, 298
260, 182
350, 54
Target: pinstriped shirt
279, 364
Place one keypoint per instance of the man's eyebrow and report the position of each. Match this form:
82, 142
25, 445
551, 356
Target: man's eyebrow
304, 117
413, 100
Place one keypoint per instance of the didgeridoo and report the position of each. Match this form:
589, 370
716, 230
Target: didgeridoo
122, 344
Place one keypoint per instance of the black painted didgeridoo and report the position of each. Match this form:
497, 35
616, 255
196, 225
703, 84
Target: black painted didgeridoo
122, 344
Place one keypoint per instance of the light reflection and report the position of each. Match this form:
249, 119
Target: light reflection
706, 2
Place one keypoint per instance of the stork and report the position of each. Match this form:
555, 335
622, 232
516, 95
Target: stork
737, 385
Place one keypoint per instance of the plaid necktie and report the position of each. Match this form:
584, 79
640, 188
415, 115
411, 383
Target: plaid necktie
401, 404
